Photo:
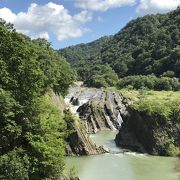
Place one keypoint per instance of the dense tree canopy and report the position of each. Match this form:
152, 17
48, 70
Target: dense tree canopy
145, 46
32, 129
86, 61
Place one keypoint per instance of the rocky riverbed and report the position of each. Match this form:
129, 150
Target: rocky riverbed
99, 109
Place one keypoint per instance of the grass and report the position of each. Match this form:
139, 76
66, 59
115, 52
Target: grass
162, 96
164, 103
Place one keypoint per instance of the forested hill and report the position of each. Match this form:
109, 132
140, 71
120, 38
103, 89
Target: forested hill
145, 46
81, 53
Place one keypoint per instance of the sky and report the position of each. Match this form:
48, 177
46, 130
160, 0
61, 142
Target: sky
69, 22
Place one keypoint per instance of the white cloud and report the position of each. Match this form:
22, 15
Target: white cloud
41, 20
102, 5
155, 6
44, 35
6, 14
83, 17
100, 19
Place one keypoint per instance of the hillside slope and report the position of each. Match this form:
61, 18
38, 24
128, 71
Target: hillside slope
82, 53
145, 46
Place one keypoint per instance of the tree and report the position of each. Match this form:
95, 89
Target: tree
32, 129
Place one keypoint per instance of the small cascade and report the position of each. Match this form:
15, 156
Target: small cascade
80, 97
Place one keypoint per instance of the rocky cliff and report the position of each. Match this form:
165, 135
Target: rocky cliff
151, 133
104, 110
79, 143
139, 130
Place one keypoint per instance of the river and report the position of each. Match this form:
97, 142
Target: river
122, 165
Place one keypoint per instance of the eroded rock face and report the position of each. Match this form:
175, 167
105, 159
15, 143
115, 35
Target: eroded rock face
74, 101
98, 109
104, 111
140, 132
80, 144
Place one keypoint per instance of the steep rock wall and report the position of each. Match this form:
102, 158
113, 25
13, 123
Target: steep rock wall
139, 131
103, 111
79, 143
153, 134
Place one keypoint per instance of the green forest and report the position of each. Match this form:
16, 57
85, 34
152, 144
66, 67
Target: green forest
148, 46
32, 129
145, 54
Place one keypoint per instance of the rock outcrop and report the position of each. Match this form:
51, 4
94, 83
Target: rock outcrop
139, 131
143, 132
79, 143
104, 111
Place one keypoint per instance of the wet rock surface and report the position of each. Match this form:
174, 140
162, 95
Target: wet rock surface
80, 144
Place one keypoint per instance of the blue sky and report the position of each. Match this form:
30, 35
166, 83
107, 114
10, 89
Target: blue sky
68, 22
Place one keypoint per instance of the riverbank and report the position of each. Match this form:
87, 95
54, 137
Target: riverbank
148, 121
154, 122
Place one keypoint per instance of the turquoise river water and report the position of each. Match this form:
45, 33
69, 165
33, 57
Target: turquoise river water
120, 165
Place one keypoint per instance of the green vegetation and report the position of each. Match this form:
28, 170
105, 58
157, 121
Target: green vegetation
147, 46
145, 54
101, 76
79, 55
156, 96
165, 108
160, 112
32, 129
149, 82
86, 61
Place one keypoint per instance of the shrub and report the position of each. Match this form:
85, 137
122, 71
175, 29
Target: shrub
150, 82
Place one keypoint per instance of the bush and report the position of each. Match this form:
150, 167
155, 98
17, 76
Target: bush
14, 165
102, 76
170, 149
150, 82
